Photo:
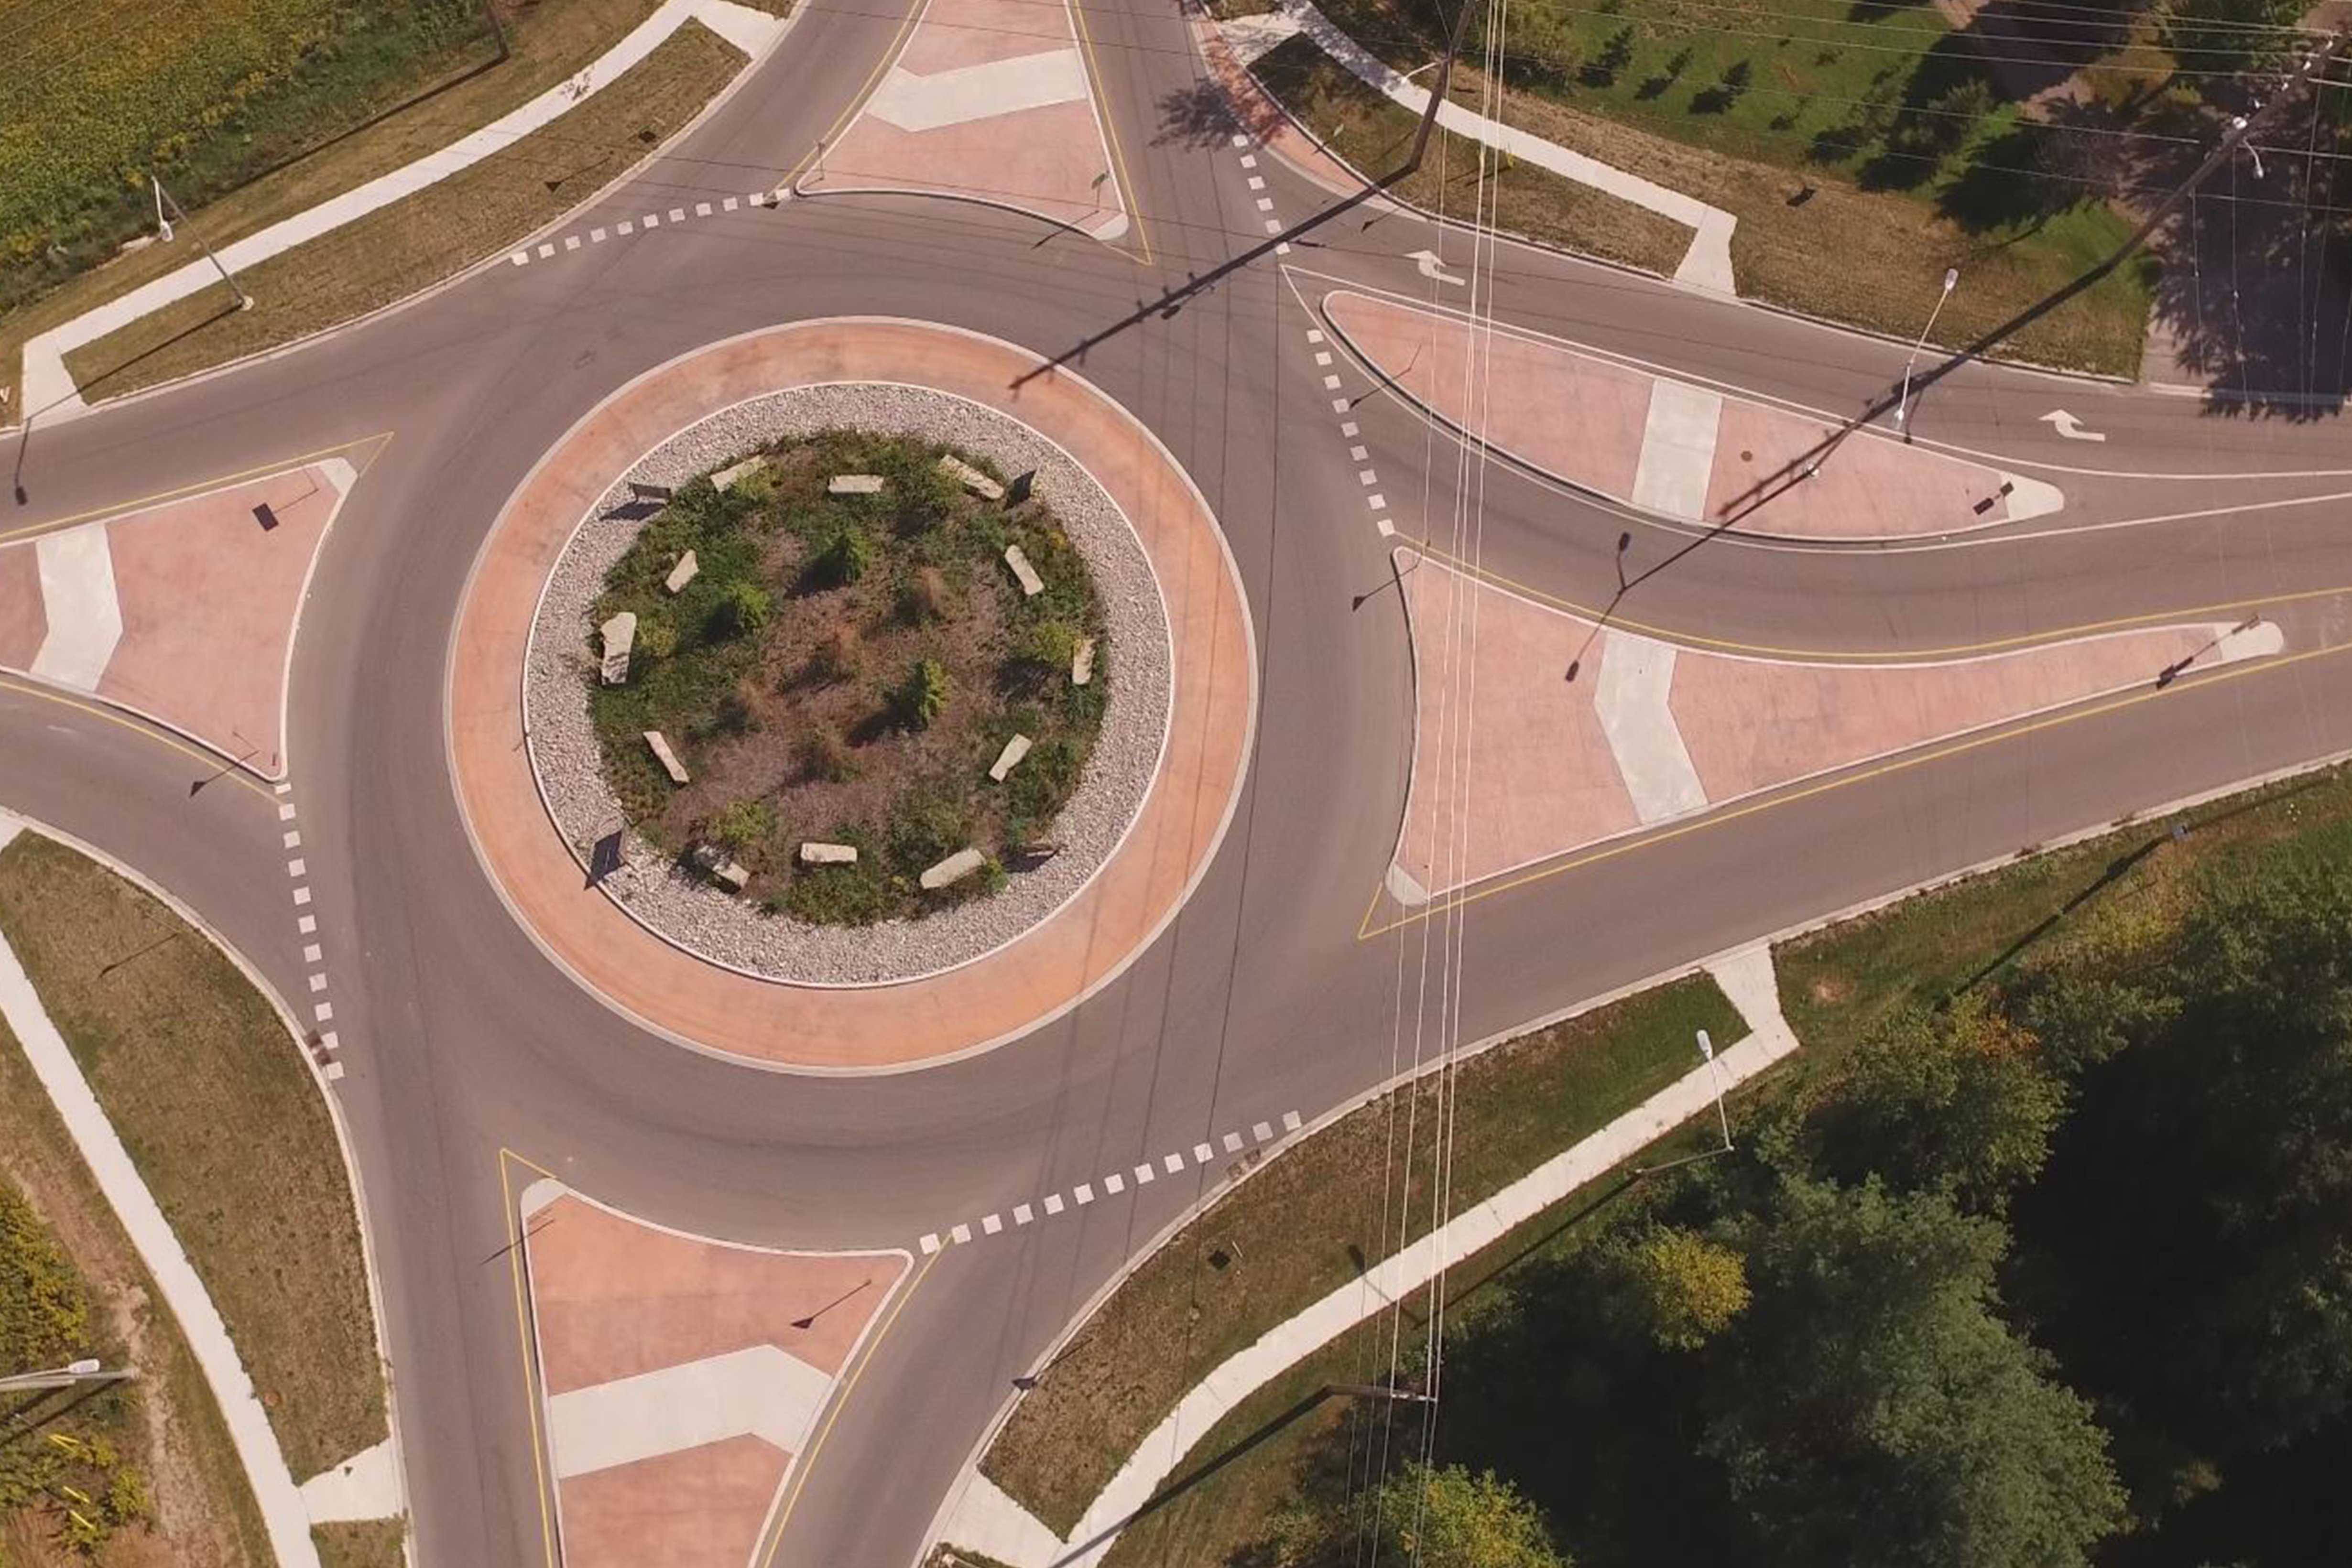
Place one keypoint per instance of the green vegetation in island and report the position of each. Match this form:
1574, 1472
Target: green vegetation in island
846, 669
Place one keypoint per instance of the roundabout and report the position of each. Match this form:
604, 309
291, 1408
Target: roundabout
674, 952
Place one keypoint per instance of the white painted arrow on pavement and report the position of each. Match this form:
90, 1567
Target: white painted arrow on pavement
2067, 426
1431, 267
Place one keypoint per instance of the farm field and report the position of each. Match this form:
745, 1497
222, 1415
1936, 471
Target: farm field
207, 97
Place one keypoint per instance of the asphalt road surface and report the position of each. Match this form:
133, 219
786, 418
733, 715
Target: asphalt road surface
462, 1040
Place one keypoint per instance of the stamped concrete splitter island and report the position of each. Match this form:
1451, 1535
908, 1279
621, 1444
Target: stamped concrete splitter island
1032, 979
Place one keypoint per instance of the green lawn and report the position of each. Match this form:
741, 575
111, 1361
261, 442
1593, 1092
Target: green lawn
1867, 134
1320, 1213
361, 1543
220, 1113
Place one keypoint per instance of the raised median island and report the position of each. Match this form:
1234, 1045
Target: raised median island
848, 669
848, 684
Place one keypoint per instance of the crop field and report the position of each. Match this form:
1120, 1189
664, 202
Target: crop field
95, 94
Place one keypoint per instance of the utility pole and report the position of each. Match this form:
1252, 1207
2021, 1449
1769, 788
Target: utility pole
163, 200
65, 1376
1902, 409
1437, 92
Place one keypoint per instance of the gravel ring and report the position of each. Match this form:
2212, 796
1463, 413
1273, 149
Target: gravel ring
691, 913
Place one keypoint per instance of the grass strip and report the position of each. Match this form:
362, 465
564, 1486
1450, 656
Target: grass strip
1320, 1214
1891, 250
1375, 135
548, 41
218, 1111
2125, 889
361, 1544
399, 250
203, 1510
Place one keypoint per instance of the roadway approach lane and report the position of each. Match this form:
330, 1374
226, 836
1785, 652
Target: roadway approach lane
1258, 1000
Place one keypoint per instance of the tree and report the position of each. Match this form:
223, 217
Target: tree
2226, 36
1452, 1518
1685, 1288
1957, 1101
1871, 1407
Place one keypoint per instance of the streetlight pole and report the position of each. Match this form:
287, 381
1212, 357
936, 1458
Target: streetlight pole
65, 1376
1902, 409
163, 199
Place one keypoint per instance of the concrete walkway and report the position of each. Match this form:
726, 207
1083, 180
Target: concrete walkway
49, 392
1706, 264
986, 1519
283, 1513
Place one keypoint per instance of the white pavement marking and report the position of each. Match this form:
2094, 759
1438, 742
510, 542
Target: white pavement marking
311, 953
324, 1012
365, 1486
301, 896
990, 1224
961, 1233
286, 811
2030, 499
1233, 1142
292, 838
308, 923
1202, 1154
571, 242
1256, 181
1637, 674
1172, 1164
1404, 887
1290, 1121
1114, 1183
1678, 449
728, 205
759, 1390
76, 571
2258, 639
966, 93
1706, 264
678, 214
298, 867
1022, 1214
330, 1040
1145, 1174
1083, 1192
930, 1243
1747, 980
1054, 1204
1377, 503
283, 1514
1249, 160
597, 236
702, 209
1386, 528
318, 984
1262, 1132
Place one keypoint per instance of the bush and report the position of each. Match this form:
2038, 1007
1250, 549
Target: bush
823, 755
839, 654
840, 896
1052, 645
741, 824
742, 609
930, 826
656, 636
847, 557
925, 696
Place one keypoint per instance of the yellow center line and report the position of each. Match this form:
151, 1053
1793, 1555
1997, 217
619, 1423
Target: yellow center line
889, 57
202, 486
849, 1386
1110, 130
522, 1333
1603, 618
1449, 902
139, 727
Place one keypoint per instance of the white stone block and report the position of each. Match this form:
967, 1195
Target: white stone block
725, 478
1009, 758
954, 868
854, 485
813, 853
682, 573
971, 478
667, 757
620, 634
1032, 585
1082, 663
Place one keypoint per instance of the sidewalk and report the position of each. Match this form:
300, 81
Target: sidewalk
986, 1520
1706, 264
283, 1513
49, 391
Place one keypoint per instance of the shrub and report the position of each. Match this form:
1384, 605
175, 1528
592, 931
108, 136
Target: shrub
657, 635
839, 654
741, 610
823, 755
846, 556
926, 596
928, 827
741, 824
925, 695
840, 896
1052, 645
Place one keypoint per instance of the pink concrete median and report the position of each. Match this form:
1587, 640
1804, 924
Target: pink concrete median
1673, 447
1538, 733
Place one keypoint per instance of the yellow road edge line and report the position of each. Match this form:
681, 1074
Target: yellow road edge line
889, 57
849, 1385
1451, 902
1603, 620
200, 487
522, 1335
1110, 130
140, 726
